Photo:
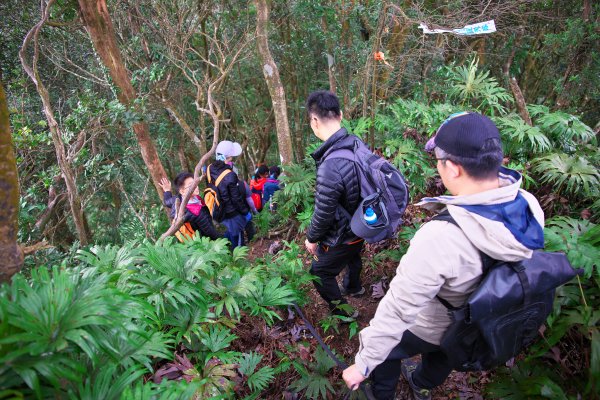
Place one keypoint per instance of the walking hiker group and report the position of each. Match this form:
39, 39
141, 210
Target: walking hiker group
486, 237
472, 289
227, 199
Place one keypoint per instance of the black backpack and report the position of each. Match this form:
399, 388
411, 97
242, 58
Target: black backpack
382, 188
503, 315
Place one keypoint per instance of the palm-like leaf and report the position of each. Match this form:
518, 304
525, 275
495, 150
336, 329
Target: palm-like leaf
108, 383
313, 379
579, 239
260, 379
521, 138
412, 161
570, 173
52, 318
478, 88
270, 294
217, 338
565, 127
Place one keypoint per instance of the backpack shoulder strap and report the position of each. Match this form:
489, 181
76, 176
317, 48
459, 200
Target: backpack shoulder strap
486, 260
445, 216
346, 154
208, 179
221, 176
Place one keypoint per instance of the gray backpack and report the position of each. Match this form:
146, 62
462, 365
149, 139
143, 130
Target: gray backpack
382, 188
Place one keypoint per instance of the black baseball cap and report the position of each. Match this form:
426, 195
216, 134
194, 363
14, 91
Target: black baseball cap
464, 134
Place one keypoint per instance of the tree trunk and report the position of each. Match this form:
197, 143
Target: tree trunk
520, 100
514, 85
12, 255
96, 18
271, 73
61, 156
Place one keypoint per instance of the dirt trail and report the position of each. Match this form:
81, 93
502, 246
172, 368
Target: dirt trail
459, 385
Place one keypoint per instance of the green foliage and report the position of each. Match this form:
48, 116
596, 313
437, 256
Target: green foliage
566, 129
93, 330
477, 89
573, 175
258, 380
288, 264
312, 378
359, 127
526, 381
270, 294
416, 115
296, 198
579, 239
520, 139
414, 163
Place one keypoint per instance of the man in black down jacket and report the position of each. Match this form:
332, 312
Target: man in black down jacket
329, 238
236, 210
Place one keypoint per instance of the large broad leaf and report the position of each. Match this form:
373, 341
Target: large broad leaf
570, 174
578, 239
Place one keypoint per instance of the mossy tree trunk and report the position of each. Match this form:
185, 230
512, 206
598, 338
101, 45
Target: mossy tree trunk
12, 255
98, 23
271, 73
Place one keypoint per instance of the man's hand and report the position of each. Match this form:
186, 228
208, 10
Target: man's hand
352, 377
165, 184
311, 247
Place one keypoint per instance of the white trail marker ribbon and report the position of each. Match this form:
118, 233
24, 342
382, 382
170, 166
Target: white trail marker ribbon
474, 29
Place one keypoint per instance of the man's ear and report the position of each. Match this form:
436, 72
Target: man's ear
455, 170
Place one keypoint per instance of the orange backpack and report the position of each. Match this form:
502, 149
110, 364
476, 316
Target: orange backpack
185, 232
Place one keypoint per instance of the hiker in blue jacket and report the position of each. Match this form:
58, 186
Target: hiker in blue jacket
271, 186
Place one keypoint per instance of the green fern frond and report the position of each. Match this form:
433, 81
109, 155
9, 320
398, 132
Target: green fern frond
578, 239
109, 382
477, 88
52, 316
217, 338
273, 293
260, 380
521, 138
414, 163
565, 127
570, 173
249, 362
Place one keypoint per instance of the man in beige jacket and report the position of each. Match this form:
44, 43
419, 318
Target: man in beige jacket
495, 217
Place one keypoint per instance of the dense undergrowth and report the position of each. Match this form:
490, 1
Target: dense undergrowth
124, 322
170, 320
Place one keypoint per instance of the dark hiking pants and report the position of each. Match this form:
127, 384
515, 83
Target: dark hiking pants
432, 372
327, 265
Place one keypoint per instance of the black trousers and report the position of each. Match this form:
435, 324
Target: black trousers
432, 372
327, 265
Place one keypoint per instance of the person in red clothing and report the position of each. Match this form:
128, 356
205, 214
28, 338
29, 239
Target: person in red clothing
257, 186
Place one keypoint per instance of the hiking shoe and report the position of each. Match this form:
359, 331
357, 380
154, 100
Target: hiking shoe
358, 293
408, 367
